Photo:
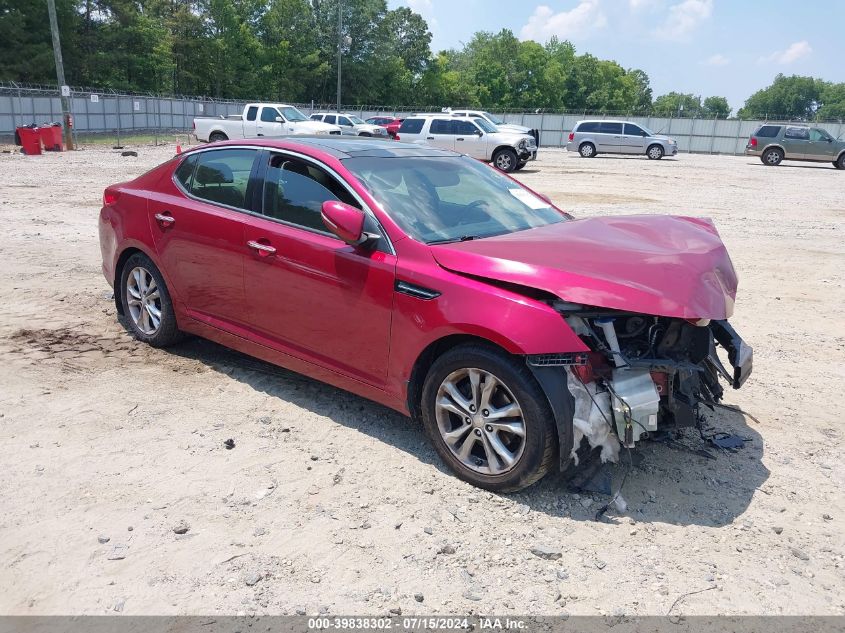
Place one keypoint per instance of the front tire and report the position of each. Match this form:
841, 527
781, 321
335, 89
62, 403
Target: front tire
488, 418
216, 137
840, 162
520, 165
146, 303
365, 134
505, 160
654, 152
772, 157
587, 150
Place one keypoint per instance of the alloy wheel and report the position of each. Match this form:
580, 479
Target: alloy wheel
144, 300
503, 161
480, 421
773, 158
586, 150
655, 152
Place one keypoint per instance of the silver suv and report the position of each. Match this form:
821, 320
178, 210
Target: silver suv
508, 151
589, 138
349, 124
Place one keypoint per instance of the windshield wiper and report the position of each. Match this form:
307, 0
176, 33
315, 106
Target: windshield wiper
462, 238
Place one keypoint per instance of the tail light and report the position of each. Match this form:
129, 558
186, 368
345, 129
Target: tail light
572, 136
753, 142
110, 196
396, 137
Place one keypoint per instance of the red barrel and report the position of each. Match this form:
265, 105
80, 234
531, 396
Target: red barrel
51, 137
30, 140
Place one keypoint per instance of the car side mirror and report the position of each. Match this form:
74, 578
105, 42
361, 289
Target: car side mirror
644, 134
479, 133
346, 222
279, 119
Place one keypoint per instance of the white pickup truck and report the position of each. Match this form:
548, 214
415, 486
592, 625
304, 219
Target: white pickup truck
260, 120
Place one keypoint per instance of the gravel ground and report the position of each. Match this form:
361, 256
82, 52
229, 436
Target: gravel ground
119, 496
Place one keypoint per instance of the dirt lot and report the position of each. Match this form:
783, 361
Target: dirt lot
331, 503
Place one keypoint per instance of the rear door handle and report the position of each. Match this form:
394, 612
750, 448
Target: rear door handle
429, 138
264, 250
459, 139
164, 219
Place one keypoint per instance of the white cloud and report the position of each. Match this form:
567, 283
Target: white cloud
425, 8
684, 18
716, 60
637, 5
573, 24
796, 51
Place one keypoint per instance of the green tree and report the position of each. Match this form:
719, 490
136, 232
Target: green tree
678, 104
792, 97
716, 107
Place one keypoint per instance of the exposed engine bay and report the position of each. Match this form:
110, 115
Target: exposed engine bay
645, 374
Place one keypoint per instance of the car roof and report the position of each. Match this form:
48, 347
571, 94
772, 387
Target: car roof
605, 121
341, 147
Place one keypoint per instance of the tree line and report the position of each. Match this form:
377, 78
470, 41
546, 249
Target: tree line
287, 50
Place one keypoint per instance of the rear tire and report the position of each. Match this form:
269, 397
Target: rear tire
146, 302
772, 157
507, 451
840, 162
216, 137
365, 134
654, 152
587, 150
505, 160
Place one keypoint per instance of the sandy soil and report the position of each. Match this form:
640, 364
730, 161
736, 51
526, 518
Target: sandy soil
331, 503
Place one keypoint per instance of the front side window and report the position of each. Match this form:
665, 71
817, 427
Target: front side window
819, 135
294, 192
411, 126
222, 176
251, 113
443, 126
316, 117
268, 115
342, 120
633, 130
797, 133
466, 128
442, 199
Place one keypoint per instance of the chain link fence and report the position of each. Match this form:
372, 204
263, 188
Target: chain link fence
117, 118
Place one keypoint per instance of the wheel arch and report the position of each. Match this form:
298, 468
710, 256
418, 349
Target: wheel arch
773, 146
127, 252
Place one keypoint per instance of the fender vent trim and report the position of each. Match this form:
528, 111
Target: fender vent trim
412, 290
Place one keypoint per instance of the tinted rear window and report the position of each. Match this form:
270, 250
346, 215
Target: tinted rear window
768, 131
610, 128
411, 126
588, 126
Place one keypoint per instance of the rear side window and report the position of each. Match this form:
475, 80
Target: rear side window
294, 192
316, 117
252, 113
588, 127
798, 133
411, 126
768, 131
222, 176
185, 171
441, 126
610, 128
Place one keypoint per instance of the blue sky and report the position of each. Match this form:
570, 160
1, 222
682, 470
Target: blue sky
729, 48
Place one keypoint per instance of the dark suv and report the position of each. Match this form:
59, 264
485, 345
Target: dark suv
776, 143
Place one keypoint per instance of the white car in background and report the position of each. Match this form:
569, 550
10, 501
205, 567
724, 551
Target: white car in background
350, 124
260, 120
508, 151
497, 121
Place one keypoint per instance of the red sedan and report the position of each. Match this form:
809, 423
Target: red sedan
433, 284
388, 122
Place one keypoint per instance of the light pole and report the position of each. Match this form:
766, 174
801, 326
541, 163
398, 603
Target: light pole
60, 72
339, 47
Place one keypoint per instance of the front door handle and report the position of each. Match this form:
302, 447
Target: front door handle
459, 139
164, 219
264, 250
429, 138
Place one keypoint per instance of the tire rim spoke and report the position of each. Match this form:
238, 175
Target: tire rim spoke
143, 299
480, 421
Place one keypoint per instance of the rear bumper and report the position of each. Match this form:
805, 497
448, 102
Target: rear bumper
749, 151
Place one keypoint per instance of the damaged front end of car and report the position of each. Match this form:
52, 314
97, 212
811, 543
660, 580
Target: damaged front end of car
644, 374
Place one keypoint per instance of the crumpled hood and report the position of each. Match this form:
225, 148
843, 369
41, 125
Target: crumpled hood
662, 265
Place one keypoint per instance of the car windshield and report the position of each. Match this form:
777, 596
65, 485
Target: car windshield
485, 125
355, 120
292, 114
450, 198
496, 120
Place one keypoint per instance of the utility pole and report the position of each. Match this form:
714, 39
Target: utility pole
60, 72
339, 48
